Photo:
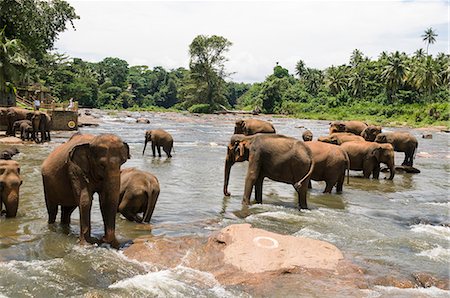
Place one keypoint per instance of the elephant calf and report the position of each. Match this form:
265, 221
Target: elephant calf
10, 182
159, 138
17, 125
139, 192
354, 127
339, 138
253, 126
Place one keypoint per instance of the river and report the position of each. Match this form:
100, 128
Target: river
386, 227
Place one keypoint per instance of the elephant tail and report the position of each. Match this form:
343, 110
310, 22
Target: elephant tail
152, 197
347, 160
298, 184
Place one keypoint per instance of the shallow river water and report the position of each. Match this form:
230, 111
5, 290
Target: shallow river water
386, 227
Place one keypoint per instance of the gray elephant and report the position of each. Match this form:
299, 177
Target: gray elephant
367, 156
139, 192
276, 157
75, 170
307, 136
402, 141
253, 126
355, 127
16, 126
10, 182
159, 138
330, 163
370, 132
41, 123
8, 153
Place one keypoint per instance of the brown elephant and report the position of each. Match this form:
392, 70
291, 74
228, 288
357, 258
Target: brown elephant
159, 138
41, 123
16, 126
74, 171
330, 163
14, 114
26, 131
10, 182
402, 141
339, 138
276, 157
139, 192
367, 156
370, 132
253, 126
307, 136
354, 127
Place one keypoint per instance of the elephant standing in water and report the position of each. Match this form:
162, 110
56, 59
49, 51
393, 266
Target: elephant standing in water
354, 127
370, 133
330, 163
14, 114
276, 157
159, 138
10, 182
253, 126
75, 170
367, 156
41, 126
402, 141
139, 192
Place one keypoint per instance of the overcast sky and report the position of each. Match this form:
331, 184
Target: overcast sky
321, 33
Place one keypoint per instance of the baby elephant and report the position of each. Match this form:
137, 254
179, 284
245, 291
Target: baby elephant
26, 132
8, 153
159, 138
139, 192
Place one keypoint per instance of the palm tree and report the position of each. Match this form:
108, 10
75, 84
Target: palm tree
356, 58
336, 79
357, 81
429, 37
394, 73
419, 54
300, 69
314, 79
426, 76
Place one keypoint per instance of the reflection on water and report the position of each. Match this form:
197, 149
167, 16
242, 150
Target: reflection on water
400, 225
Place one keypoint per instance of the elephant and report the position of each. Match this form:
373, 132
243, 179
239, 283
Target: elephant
10, 182
330, 163
41, 123
355, 127
8, 153
307, 136
159, 138
339, 138
367, 156
14, 114
139, 192
75, 170
26, 131
143, 120
370, 132
276, 157
253, 126
16, 126
402, 141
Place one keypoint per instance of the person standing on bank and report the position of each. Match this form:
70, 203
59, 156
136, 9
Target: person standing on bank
36, 101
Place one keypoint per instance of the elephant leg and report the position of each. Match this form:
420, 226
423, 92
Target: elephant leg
258, 189
367, 169
340, 183
405, 161
167, 151
85, 218
108, 207
52, 210
153, 149
329, 185
302, 193
250, 181
159, 150
376, 172
126, 210
66, 212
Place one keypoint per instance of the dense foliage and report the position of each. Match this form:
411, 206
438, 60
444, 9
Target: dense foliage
406, 88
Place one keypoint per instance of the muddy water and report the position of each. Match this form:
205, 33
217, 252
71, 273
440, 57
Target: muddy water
387, 227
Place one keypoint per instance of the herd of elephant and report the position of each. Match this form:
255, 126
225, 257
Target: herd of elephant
88, 164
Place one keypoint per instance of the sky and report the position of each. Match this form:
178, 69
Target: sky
321, 33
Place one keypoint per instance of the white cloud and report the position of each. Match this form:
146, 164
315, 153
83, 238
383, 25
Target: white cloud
321, 32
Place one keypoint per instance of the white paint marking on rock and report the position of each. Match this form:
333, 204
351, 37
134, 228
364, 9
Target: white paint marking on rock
257, 240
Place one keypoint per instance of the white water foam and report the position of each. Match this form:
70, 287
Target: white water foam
177, 282
443, 204
441, 231
278, 215
438, 253
382, 291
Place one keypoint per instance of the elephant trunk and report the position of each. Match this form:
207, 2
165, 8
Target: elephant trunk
391, 170
228, 164
145, 145
11, 202
109, 204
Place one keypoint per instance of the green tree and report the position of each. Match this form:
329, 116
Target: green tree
207, 66
426, 76
36, 23
300, 69
313, 80
280, 72
429, 36
114, 69
336, 79
394, 73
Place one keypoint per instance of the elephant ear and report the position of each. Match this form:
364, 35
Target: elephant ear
79, 157
376, 153
125, 152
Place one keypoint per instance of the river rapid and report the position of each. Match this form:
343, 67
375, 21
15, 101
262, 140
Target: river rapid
388, 228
